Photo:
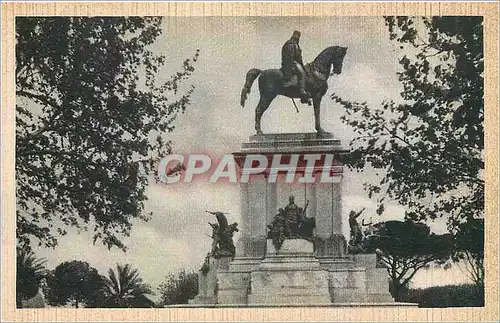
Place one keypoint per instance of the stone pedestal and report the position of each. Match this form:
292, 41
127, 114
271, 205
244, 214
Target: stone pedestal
291, 277
208, 280
294, 276
234, 283
261, 197
377, 285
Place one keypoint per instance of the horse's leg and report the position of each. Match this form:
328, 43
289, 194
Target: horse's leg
317, 113
264, 103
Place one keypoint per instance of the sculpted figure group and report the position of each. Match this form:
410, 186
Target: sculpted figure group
291, 223
361, 240
222, 236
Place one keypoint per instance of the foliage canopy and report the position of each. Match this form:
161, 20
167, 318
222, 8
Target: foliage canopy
429, 149
90, 123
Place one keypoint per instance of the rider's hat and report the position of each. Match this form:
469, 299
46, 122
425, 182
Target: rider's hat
296, 34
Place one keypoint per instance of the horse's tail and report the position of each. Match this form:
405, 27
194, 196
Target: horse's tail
250, 78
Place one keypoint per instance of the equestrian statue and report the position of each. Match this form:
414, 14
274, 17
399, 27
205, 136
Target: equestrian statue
294, 79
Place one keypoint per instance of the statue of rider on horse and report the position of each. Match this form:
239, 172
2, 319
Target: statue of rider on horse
311, 78
292, 64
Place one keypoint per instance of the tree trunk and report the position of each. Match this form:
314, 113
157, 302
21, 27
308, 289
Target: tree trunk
397, 288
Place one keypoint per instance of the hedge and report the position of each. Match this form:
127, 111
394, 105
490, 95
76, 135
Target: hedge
466, 295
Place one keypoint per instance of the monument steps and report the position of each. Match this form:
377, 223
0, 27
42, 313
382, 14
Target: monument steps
288, 300
378, 304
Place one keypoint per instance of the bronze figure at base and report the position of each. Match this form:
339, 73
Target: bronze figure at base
222, 236
291, 223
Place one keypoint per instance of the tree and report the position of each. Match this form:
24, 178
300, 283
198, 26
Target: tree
406, 247
75, 283
469, 240
428, 149
125, 288
91, 119
180, 288
29, 274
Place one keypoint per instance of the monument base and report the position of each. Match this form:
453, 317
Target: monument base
207, 281
294, 277
290, 276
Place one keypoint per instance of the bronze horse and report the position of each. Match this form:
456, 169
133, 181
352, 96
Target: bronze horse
271, 83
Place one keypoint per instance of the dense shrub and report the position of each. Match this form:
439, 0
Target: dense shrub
466, 295
179, 289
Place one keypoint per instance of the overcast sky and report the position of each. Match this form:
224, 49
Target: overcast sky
176, 236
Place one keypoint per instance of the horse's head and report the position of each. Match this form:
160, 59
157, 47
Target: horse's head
330, 58
338, 55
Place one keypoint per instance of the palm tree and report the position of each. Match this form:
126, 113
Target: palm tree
126, 289
29, 275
